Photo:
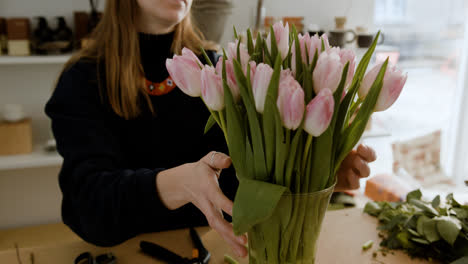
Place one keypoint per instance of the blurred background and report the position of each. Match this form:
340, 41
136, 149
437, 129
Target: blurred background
421, 141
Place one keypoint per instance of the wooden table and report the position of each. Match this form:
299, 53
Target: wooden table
343, 234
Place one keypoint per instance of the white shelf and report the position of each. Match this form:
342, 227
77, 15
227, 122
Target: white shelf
37, 158
34, 59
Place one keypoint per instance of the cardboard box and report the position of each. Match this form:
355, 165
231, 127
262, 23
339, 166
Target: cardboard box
19, 47
18, 29
385, 187
15, 138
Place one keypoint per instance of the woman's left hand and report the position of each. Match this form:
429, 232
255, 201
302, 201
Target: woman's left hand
355, 167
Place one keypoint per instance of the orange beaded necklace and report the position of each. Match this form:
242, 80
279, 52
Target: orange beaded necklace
161, 88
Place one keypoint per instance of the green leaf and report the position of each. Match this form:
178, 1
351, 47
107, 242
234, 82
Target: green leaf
354, 87
404, 239
267, 56
420, 241
372, 208
293, 155
451, 200
416, 194
423, 206
209, 124
353, 133
250, 45
229, 260
322, 173
255, 202
236, 36
281, 143
414, 233
367, 245
208, 60
449, 227
274, 45
436, 201
261, 172
269, 121
430, 230
297, 46
258, 49
235, 131
460, 213
420, 224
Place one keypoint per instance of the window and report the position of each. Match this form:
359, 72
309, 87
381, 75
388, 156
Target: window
426, 38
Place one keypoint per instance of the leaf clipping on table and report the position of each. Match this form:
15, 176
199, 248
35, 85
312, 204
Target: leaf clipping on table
424, 229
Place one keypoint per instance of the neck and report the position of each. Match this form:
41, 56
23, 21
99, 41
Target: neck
149, 25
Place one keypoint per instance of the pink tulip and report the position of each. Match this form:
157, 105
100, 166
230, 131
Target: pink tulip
185, 70
231, 76
304, 43
311, 44
346, 56
290, 102
319, 113
244, 54
261, 81
282, 38
212, 89
393, 83
327, 73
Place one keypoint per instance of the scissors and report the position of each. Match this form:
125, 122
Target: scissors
200, 254
87, 258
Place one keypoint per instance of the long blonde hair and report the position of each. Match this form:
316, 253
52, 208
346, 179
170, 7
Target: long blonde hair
115, 42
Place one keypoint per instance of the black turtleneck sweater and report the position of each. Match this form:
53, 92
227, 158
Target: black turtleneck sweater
108, 177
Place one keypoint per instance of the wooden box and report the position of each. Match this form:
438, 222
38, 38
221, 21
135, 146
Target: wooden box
15, 138
18, 28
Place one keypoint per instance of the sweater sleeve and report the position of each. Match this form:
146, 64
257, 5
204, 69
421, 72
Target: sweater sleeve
103, 202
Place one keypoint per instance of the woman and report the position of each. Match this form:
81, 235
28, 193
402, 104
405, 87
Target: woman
135, 157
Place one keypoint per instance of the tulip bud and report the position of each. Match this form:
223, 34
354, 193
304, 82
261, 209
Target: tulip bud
327, 72
244, 54
393, 83
261, 81
290, 102
186, 72
346, 56
212, 89
326, 42
319, 113
282, 38
231, 77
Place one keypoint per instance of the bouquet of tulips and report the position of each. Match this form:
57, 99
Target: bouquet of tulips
291, 108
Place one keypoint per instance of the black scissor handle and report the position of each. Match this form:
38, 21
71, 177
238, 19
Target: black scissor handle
84, 256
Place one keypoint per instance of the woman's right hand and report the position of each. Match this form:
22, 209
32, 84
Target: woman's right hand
198, 183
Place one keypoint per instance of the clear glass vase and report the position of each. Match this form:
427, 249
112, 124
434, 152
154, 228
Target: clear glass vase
290, 235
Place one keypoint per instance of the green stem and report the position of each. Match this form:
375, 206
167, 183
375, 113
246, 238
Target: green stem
306, 152
223, 126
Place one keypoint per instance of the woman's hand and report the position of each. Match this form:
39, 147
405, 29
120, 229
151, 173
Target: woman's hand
198, 183
354, 167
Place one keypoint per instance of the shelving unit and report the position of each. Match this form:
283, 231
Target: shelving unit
38, 158
34, 59
41, 71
